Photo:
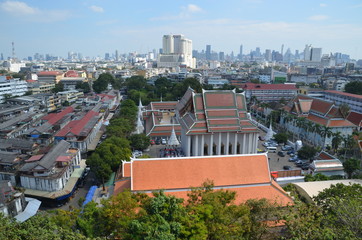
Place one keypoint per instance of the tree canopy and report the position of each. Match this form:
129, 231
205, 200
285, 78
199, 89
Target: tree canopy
354, 87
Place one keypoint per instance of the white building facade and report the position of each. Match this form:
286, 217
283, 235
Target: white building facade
11, 87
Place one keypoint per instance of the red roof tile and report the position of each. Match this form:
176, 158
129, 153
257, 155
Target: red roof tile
75, 127
55, 117
49, 73
72, 73
35, 158
340, 123
126, 170
189, 172
355, 118
344, 93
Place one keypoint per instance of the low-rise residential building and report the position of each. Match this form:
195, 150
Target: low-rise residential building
17, 126
50, 76
354, 101
12, 202
10, 162
269, 92
70, 83
70, 96
9, 111
50, 102
38, 87
51, 171
10, 87
83, 128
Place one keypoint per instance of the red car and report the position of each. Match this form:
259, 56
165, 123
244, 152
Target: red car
152, 142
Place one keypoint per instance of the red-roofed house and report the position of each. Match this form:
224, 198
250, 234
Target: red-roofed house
269, 92
247, 175
215, 122
320, 112
81, 131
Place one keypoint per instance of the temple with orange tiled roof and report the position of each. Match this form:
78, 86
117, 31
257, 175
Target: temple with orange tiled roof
320, 112
215, 122
248, 175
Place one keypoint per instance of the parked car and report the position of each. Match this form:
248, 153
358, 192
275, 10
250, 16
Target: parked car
286, 148
293, 159
265, 144
104, 136
137, 153
305, 166
282, 154
152, 142
163, 141
290, 152
158, 141
287, 167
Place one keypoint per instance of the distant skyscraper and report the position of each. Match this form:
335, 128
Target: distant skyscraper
208, 52
176, 50
307, 52
268, 55
117, 56
2, 57
106, 56
316, 54
241, 53
221, 56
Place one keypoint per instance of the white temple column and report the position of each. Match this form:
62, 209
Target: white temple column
235, 143
211, 146
218, 147
196, 148
202, 145
244, 144
226, 148
188, 146
256, 142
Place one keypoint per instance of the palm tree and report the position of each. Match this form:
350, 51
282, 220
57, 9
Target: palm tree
325, 132
348, 143
317, 130
336, 140
301, 124
309, 127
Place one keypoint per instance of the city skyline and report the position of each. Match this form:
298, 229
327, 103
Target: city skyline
97, 27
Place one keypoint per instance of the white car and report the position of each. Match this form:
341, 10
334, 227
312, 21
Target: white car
163, 141
137, 153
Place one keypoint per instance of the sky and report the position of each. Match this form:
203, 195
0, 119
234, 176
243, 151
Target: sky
94, 27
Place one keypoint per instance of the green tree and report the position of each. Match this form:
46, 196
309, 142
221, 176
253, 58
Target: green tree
307, 152
351, 165
84, 86
136, 82
281, 138
163, 86
354, 87
342, 204
336, 140
59, 87
325, 132
139, 141
101, 169
102, 82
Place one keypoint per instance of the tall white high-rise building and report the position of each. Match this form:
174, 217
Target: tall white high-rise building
176, 51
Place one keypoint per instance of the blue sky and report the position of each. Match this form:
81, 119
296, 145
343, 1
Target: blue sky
94, 27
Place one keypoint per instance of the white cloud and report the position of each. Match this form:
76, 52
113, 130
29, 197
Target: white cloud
18, 8
318, 17
28, 13
96, 9
185, 13
193, 8
323, 5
